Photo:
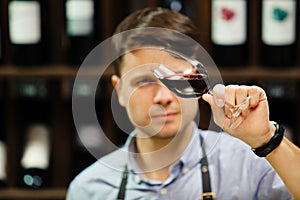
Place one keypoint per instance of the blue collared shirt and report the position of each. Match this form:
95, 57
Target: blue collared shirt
235, 173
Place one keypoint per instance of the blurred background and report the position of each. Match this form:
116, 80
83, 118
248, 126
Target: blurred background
44, 42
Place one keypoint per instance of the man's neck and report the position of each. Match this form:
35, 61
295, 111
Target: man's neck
156, 154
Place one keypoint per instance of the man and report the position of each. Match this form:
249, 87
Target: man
167, 156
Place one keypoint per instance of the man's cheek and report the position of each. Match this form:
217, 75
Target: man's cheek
137, 112
189, 107
138, 118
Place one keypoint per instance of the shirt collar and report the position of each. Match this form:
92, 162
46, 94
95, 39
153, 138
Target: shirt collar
190, 157
193, 153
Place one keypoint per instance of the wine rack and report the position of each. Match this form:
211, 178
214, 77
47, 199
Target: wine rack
59, 74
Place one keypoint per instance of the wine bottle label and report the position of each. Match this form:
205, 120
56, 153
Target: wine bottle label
36, 153
229, 22
79, 15
83, 88
24, 22
2, 161
279, 22
34, 88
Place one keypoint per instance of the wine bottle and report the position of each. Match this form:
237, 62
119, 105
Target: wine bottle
34, 108
87, 146
282, 93
3, 152
32, 101
3, 159
27, 31
1, 56
80, 29
229, 32
278, 32
36, 156
1, 40
87, 142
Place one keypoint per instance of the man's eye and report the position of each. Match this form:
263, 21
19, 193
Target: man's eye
145, 81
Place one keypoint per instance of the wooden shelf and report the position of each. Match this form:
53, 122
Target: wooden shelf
41, 71
48, 71
257, 72
247, 72
51, 193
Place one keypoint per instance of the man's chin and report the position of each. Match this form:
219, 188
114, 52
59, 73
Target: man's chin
164, 133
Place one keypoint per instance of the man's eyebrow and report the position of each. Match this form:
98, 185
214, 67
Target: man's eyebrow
176, 69
139, 76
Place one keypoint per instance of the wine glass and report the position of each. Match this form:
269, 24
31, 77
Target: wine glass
193, 82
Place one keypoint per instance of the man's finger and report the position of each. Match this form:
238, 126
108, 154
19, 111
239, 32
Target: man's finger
219, 95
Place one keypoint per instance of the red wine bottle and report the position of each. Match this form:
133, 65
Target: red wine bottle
27, 31
36, 156
278, 32
229, 32
80, 29
34, 108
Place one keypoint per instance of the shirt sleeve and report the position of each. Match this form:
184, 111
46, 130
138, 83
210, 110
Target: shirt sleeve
76, 193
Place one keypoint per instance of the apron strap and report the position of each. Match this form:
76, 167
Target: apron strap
207, 194
122, 191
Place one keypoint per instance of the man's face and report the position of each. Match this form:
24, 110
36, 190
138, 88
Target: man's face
152, 108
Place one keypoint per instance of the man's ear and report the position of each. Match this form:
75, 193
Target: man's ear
115, 80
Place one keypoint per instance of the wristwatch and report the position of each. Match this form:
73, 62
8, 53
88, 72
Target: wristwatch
273, 143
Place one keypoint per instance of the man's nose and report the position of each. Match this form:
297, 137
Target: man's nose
163, 96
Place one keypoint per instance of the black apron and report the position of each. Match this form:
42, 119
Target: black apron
206, 195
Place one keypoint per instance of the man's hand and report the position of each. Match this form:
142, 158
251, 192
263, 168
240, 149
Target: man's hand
254, 126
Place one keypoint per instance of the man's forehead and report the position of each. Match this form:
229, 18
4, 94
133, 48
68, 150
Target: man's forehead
149, 58
139, 71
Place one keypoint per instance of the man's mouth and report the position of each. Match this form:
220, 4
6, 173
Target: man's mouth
165, 116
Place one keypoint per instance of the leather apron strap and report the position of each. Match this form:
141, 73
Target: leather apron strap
207, 194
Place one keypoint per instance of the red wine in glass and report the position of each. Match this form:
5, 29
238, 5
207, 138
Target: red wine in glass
186, 85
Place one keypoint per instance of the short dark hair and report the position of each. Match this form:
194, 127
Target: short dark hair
153, 17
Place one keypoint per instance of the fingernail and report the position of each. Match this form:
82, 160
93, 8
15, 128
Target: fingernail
220, 102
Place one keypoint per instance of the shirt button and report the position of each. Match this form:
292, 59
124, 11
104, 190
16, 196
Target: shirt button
163, 191
185, 170
137, 178
204, 168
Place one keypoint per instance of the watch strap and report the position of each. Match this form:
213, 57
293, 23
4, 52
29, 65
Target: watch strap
273, 143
